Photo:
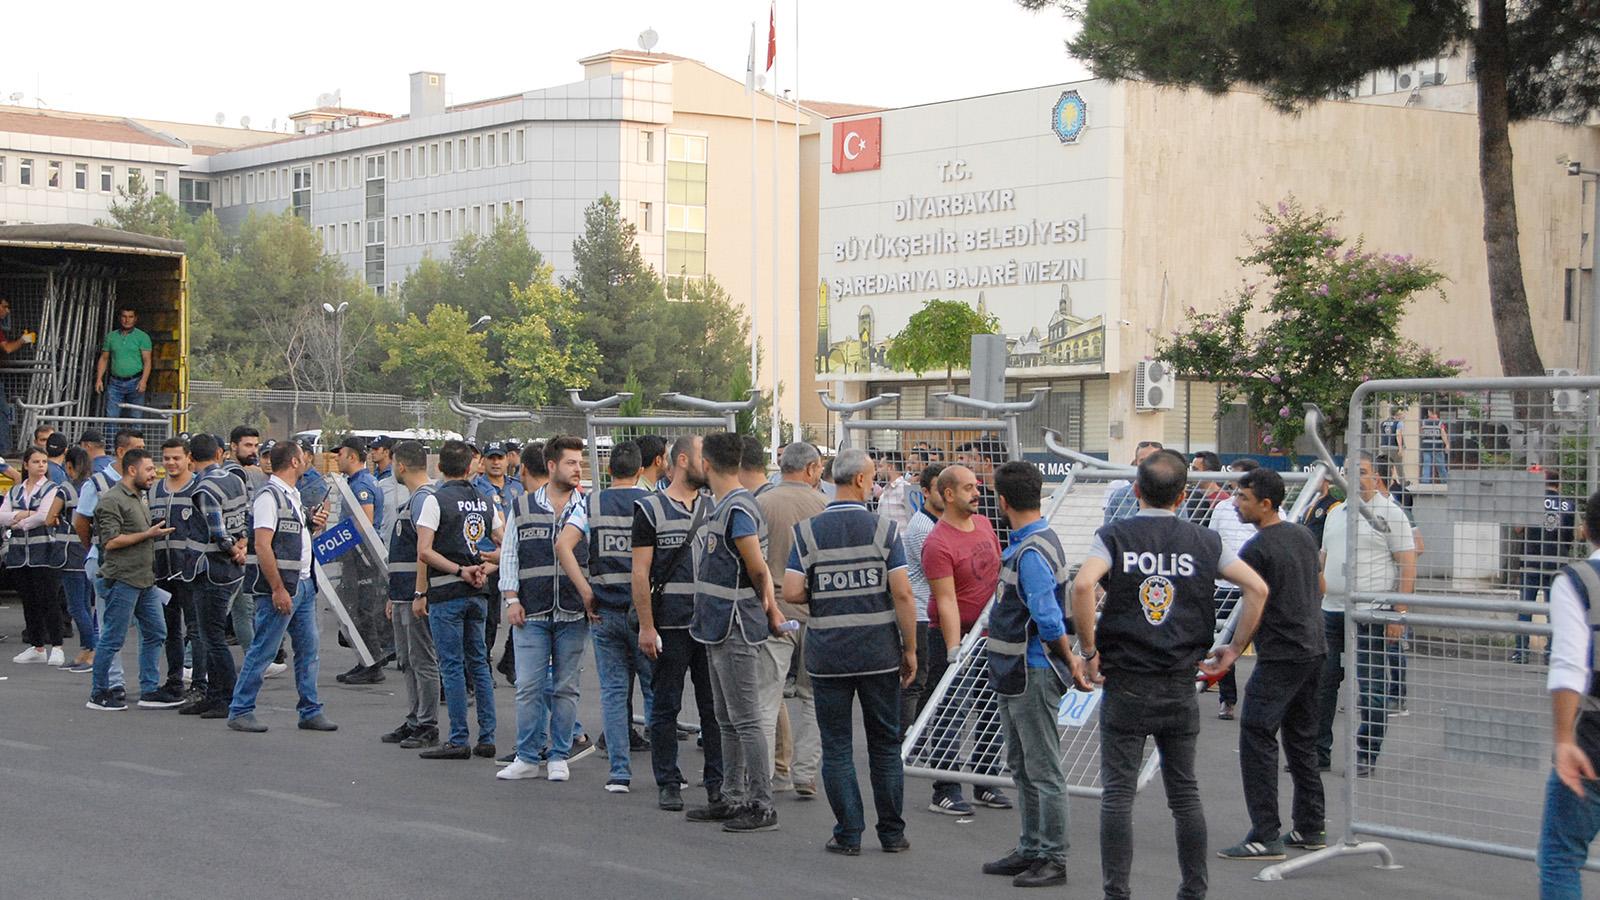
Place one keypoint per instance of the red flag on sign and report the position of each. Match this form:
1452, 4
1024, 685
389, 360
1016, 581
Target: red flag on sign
772, 37
857, 145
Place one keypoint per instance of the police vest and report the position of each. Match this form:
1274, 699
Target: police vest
1585, 578
723, 592
672, 583
611, 545
77, 554
287, 540
104, 479
224, 491
38, 547
1432, 434
465, 518
542, 587
1011, 625
178, 554
402, 541
844, 551
1160, 609
252, 479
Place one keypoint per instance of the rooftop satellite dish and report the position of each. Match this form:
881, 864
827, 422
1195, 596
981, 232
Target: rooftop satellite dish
327, 99
16, 97
244, 121
220, 117
648, 39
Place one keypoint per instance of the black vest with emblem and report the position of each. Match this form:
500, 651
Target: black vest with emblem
178, 553
611, 545
723, 592
541, 585
465, 517
1160, 610
1432, 434
287, 540
1011, 625
36, 548
76, 553
844, 552
403, 548
222, 489
1585, 578
672, 582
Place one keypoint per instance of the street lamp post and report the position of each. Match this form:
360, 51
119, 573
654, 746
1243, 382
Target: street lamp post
1576, 168
338, 342
461, 383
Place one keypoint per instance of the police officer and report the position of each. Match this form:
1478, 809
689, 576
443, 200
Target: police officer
848, 565
451, 590
1433, 440
1157, 623
665, 525
1544, 549
413, 641
177, 562
381, 454
368, 601
220, 506
495, 481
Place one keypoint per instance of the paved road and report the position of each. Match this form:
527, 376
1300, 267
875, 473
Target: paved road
144, 803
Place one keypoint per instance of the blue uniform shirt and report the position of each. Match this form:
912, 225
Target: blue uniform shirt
1037, 583
55, 473
365, 487
312, 486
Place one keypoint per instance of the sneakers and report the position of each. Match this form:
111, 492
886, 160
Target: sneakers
670, 798
106, 702
581, 747
638, 741
318, 722
1225, 712
274, 670
558, 770
188, 674
834, 845
31, 655
752, 819
56, 657
367, 675
1010, 865
1256, 850
160, 698
506, 760
518, 771
448, 750
1306, 840
616, 786
483, 750
1043, 873
399, 734
200, 707
992, 798
950, 804
425, 736
805, 790
78, 668
246, 723
896, 845
84, 657
716, 811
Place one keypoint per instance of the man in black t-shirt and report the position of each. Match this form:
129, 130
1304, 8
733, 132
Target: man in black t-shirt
1282, 692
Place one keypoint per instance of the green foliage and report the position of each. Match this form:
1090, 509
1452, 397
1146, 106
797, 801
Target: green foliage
439, 355
621, 299
545, 350
704, 340
939, 336
1330, 314
136, 209
478, 275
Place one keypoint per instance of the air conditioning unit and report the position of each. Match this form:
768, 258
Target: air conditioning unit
1406, 81
1154, 386
1565, 400
1432, 78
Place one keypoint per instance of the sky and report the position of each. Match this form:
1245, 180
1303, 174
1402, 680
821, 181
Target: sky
266, 61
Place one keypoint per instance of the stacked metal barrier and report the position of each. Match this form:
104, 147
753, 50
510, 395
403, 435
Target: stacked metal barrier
68, 307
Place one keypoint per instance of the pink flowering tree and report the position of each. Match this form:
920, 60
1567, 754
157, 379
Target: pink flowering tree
1325, 319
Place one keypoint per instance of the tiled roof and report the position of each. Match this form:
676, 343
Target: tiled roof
831, 110
77, 125
342, 111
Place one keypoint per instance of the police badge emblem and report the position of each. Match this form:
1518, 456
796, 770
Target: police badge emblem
1155, 599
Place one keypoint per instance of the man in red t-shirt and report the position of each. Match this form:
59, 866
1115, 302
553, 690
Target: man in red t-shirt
961, 559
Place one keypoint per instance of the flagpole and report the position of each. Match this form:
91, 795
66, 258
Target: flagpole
776, 267
755, 333
799, 289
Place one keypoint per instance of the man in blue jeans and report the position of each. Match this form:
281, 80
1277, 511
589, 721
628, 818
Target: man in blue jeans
1572, 796
617, 656
286, 595
126, 581
125, 356
847, 564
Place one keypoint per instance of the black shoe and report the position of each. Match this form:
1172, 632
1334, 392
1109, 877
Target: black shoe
1306, 840
638, 741
834, 846
752, 820
993, 798
1043, 874
483, 749
246, 723
106, 702
716, 811
387, 658
369, 675
447, 750
669, 798
1010, 865
399, 734
426, 736
218, 711
161, 698
201, 707
896, 845
119, 693
318, 722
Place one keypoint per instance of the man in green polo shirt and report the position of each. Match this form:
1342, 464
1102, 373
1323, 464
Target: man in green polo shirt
126, 353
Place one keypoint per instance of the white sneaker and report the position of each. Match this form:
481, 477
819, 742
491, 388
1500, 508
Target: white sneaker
188, 674
31, 655
558, 770
275, 669
518, 770
616, 787
57, 658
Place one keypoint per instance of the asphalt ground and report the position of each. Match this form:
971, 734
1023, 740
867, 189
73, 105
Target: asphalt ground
143, 803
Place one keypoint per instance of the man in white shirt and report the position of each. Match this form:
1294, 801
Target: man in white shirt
1386, 560
913, 537
894, 503
1225, 522
1572, 796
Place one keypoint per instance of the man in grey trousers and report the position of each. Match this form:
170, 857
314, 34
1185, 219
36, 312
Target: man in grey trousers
413, 638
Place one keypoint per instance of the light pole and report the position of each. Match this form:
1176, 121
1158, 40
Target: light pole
1576, 168
338, 341
461, 383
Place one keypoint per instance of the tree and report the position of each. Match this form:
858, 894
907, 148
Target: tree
478, 275
707, 339
545, 351
620, 297
439, 355
1533, 58
939, 336
136, 209
1333, 316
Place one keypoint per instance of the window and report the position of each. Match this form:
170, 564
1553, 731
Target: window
394, 226
375, 167
433, 224
344, 174
53, 178
448, 146
461, 153
408, 233
322, 184
686, 211
283, 176
492, 215
422, 160
1569, 295
647, 146
477, 218
394, 162
522, 144
433, 159
448, 230
25, 172
270, 187
505, 147
80, 176
344, 237
686, 148
477, 151
249, 185
135, 177
300, 198
488, 155
107, 175
461, 218
375, 204
2, 170
519, 209
238, 189
407, 156
505, 210
374, 231
161, 181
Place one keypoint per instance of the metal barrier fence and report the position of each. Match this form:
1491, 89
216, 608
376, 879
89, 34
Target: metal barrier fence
603, 427
155, 425
978, 443
1446, 731
957, 736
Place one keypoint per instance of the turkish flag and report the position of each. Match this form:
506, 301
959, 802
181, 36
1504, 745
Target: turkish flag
858, 145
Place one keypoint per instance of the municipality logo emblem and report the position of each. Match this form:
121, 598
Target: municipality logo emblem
1069, 117
1155, 599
